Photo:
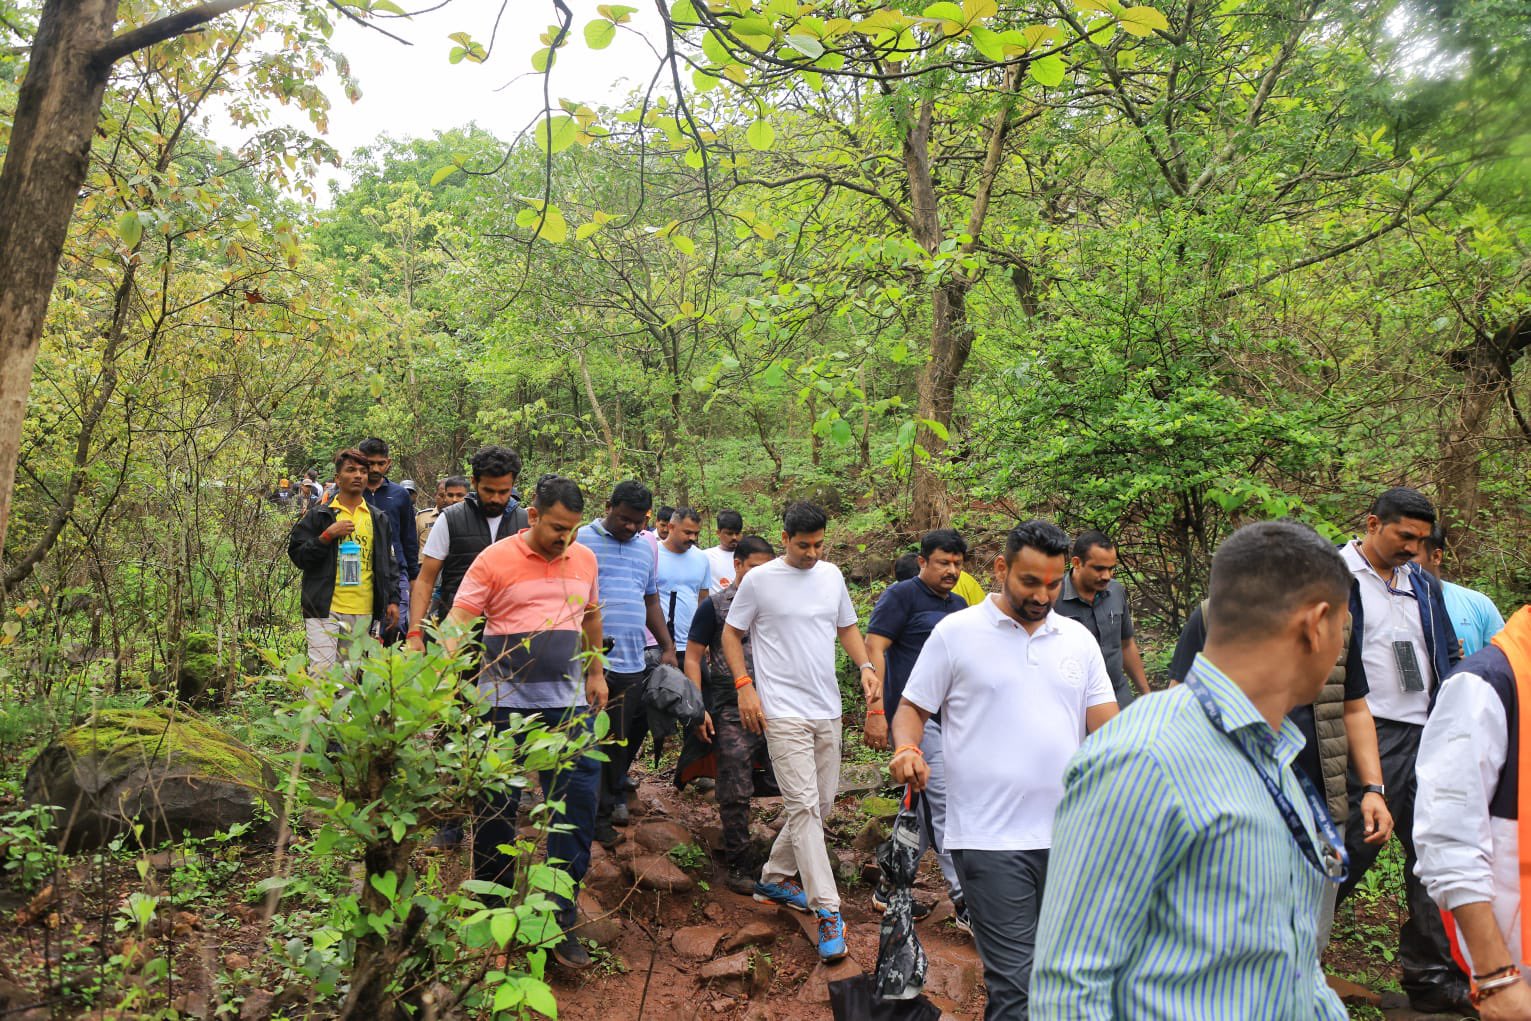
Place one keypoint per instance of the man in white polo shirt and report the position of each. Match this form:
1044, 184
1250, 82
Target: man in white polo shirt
1018, 687
793, 609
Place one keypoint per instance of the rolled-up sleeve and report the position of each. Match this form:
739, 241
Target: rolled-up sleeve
1461, 753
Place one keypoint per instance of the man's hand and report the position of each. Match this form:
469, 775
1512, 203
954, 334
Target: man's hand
751, 712
909, 767
875, 732
415, 643
704, 729
391, 615
1379, 821
1514, 1004
869, 683
596, 691
667, 657
339, 530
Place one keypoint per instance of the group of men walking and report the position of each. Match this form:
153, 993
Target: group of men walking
1174, 866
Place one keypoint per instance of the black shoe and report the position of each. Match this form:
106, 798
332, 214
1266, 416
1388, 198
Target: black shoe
620, 815
960, 917
571, 953
1443, 1000
605, 833
739, 881
921, 909
630, 783
448, 838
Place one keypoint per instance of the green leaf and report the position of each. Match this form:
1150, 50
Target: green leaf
684, 243
704, 82
1142, 21
840, 432
988, 42
807, 45
130, 228
586, 230
774, 374
541, 60
616, 12
502, 926
716, 50
444, 173
599, 34
557, 133
1048, 70
388, 6
760, 136
949, 13
540, 998
553, 227
683, 13
693, 159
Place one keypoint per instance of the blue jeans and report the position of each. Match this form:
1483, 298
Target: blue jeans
575, 785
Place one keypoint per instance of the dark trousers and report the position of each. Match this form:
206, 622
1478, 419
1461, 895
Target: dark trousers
1003, 894
736, 750
573, 828
1423, 952
624, 711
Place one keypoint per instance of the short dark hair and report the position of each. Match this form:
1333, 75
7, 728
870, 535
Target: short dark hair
1043, 536
1264, 571
555, 489
351, 454
493, 462
1402, 502
685, 514
947, 540
455, 482
731, 520
1089, 540
804, 518
906, 567
631, 493
1436, 540
751, 545
373, 447
664, 513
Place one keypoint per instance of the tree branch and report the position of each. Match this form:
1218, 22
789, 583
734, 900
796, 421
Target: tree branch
160, 30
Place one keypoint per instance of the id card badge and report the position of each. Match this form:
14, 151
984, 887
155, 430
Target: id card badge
1410, 677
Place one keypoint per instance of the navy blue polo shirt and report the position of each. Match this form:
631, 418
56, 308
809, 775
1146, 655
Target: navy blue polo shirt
905, 614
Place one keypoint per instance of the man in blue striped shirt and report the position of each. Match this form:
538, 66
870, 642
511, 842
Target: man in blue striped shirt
629, 569
1188, 858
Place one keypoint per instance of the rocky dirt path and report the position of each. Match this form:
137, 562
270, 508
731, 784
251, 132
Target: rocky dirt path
678, 945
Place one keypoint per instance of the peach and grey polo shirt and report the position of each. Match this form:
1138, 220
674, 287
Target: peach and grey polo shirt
533, 610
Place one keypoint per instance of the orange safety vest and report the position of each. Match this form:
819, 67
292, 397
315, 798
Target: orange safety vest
1515, 642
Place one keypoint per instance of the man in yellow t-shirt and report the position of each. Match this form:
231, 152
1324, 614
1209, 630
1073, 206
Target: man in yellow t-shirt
338, 608
969, 589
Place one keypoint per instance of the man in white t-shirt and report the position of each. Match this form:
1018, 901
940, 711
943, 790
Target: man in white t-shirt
721, 556
684, 575
1018, 687
793, 609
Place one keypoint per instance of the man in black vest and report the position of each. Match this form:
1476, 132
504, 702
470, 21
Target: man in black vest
464, 531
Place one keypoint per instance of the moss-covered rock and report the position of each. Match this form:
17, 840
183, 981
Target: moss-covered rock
199, 665
172, 772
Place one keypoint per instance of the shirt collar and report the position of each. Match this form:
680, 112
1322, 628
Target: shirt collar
1242, 719
1070, 592
525, 548
337, 505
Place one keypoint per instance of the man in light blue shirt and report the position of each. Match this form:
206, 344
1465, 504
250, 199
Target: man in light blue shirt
1188, 857
629, 584
1473, 614
684, 574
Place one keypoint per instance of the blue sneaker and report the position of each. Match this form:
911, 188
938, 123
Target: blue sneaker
786, 893
831, 935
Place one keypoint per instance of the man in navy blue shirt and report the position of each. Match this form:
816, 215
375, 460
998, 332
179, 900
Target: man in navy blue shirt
395, 501
901, 621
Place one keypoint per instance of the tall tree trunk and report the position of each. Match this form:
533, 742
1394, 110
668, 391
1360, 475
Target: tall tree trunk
1487, 366
56, 113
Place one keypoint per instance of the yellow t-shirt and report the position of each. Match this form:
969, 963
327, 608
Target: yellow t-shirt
355, 599
968, 588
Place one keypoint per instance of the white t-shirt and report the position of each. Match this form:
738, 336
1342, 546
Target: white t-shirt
722, 567
1012, 711
1386, 617
793, 617
439, 543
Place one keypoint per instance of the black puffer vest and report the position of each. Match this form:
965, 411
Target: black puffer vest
468, 536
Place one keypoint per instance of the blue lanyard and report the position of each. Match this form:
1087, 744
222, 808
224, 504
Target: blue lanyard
1334, 862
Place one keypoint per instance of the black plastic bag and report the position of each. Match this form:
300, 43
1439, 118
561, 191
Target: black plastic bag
856, 999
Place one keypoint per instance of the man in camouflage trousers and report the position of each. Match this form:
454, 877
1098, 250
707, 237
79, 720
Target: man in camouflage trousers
736, 748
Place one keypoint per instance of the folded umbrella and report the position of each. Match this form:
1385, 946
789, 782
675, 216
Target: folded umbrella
901, 961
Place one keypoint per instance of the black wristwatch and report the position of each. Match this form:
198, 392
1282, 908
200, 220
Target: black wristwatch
1374, 788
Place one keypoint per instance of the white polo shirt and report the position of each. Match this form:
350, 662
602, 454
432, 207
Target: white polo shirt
1389, 613
1012, 711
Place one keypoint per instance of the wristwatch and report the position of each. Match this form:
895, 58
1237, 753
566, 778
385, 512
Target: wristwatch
1374, 788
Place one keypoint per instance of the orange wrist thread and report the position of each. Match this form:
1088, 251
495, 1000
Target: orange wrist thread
742, 680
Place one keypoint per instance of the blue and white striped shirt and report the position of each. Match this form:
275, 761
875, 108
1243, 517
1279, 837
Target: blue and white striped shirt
629, 571
1175, 889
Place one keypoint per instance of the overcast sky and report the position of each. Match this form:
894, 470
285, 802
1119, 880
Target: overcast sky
413, 91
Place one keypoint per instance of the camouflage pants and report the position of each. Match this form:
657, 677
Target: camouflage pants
737, 750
